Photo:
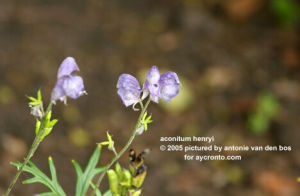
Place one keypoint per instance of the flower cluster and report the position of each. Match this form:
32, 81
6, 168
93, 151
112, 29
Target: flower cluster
67, 84
165, 86
122, 181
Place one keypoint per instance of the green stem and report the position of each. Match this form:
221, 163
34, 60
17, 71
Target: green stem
132, 136
114, 151
36, 142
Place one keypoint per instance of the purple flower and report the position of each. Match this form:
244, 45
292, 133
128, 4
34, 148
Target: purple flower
129, 89
67, 85
165, 86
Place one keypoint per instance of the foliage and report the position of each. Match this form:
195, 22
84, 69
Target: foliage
84, 178
109, 143
266, 109
287, 11
122, 182
40, 177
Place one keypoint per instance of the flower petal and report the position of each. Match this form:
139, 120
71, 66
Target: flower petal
152, 90
128, 81
152, 84
129, 89
154, 98
169, 86
58, 92
68, 66
73, 86
145, 90
153, 75
129, 96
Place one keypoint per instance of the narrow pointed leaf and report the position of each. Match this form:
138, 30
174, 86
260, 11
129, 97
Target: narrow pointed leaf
98, 193
94, 159
37, 126
32, 99
34, 103
52, 169
47, 131
40, 177
107, 193
47, 194
52, 122
97, 171
79, 174
31, 180
77, 169
39, 95
90, 172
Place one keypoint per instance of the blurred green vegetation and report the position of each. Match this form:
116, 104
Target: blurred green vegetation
266, 109
286, 11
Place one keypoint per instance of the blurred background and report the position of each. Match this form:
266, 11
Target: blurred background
238, 61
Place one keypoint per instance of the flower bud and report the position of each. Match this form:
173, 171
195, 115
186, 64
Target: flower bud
113, 182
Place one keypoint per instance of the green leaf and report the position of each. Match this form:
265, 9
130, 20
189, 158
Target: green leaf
47, 131
97, 171
106, 143
40, 177
48, 125
146, 120
32, 99
37, 126
107, 193
48, 116
39, 95
52, 123
98, 193
35, 103
77, 169
35, 171
144, 116
79, 174
84, 179
93, 161
47, 194
137, 193
109, 143
52, 169
30, 180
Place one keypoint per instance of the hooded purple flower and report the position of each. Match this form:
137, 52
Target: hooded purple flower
129, 89
165, 86
67, 85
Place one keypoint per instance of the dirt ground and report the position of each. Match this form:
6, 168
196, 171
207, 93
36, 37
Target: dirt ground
226, 53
